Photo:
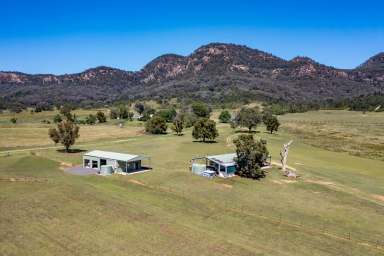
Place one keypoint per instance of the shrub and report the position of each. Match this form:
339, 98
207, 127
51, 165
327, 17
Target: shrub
139, 107
178, 125
156, 125
57, 118
13, 120
190, 119
91, 119
101, 117
168, 114
201, 110
114, 113
225, 116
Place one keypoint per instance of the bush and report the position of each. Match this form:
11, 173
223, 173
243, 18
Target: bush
91, 119
178, 125
140, 107
167, 114
201, 110
57, 118
101, 117
13, 120
156, 125
251, 155
225, 116
114, 113
205, 129
147, 114
190, 119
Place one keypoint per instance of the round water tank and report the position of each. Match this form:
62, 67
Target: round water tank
106, 170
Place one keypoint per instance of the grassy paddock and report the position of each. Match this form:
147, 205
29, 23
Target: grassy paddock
335, 208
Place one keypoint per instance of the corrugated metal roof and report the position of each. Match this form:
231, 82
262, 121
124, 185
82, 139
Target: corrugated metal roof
225, 159
115, 156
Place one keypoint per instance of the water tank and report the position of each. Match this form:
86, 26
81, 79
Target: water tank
106, 170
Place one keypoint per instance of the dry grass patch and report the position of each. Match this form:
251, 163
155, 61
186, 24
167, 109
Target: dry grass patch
37, 135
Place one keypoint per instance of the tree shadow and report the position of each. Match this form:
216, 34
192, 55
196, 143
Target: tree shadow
266, 132
71, 151
246, 131
205, 142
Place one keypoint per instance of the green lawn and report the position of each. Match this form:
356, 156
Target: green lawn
336, 207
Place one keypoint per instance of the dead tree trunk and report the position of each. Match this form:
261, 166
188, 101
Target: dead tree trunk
284, 156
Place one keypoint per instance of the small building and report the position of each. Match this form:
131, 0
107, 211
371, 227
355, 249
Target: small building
223, 165
114, 162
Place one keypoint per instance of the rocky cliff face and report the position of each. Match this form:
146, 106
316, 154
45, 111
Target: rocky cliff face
212, 72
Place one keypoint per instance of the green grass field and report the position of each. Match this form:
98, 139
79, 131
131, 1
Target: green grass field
336, 207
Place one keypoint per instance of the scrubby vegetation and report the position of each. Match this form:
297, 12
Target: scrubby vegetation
156, 125
225, 116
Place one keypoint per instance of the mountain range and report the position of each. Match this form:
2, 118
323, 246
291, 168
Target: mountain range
215, 72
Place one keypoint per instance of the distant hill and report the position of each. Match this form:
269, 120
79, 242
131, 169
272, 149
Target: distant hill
215, 72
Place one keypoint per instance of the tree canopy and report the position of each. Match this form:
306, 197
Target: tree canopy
66, 133
248, 117
205, 129
156, 125
271, 123
201, 110
251, 155
225, 116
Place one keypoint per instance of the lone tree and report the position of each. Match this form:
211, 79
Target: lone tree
248, 117
271, 123
156, 125
205, 129
13, 120
225, 116
178, 125
101, 117
66, 133
201, 110
251, 155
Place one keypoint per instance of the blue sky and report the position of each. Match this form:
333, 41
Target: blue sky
70, 36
